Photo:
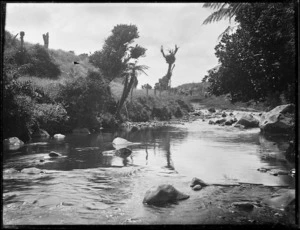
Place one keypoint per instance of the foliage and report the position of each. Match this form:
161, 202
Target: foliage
113, 57
85, 99
258, 60
51, 117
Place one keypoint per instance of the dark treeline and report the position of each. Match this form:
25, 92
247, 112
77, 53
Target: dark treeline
258, 59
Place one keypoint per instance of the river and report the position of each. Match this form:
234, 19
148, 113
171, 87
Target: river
85, 186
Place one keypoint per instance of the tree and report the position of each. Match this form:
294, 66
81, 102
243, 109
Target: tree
258, 60
130, 74
117, 51
170, 59
118, 59
136, 82
147, 87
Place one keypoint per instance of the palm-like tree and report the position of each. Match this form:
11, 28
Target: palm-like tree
223, 11
130, 78
136, 82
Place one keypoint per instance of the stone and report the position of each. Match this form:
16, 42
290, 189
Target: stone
197, 187
279, 120
197, 181
220, 121
119, 141
81, 131
212, 110
243, 206
224, 114
10, 171
134, 129
211, 122
123, 152
41, 133
54, 154
163, 194
59, 136
239, 126
31, 171
13, 141
248, 121
229, 121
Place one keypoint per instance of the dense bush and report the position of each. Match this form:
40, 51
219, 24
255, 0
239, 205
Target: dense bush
51, 117
85, 99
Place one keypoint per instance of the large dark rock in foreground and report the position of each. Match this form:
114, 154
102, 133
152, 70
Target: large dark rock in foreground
279, 120
248, 121
163, 194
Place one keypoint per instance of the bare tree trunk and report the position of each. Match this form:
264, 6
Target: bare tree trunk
126, 91
22, 34
46, 40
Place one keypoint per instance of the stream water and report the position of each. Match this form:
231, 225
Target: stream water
85, 186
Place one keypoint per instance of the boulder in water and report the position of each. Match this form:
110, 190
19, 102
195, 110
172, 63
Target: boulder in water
279, 120
13, 141
54, 154
163, 194
197, 187
248, 121
123, 152
197, 181
59, 136
212, 110
31, 171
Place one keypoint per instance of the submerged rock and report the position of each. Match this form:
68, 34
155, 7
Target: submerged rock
279, 120
212, 110
197, 181
163, 194
54, 154
31, 171
123, 152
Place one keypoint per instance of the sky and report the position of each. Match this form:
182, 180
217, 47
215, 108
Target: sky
83, 28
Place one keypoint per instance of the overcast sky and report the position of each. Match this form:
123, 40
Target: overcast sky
83, 27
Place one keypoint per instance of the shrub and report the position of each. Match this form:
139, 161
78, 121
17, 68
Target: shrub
51, 117
85, 100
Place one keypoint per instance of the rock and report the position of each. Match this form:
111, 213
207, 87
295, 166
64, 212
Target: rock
134, 128
163, 194
31, 171
13, 141
263, 169
239, 126
10, 171
54, 154
279, 120
229, 121
248, 121
123, 152
197, 181
212, 110
220, 121
120, 141
243, 206
292, 172
59, 136
211, 122
224, 114
40, 134
197, 187
231, 114
81, 131
41, 160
